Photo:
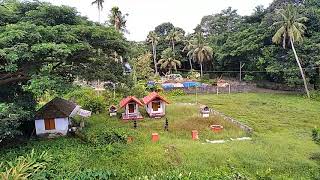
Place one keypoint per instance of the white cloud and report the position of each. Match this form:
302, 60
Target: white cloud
145, 15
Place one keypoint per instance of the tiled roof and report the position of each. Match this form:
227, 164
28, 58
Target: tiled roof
56, 108
129, 99
152, 96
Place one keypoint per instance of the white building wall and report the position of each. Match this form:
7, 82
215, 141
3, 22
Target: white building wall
160, 110
61, 126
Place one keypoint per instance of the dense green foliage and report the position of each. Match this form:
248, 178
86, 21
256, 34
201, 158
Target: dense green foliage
142, 66
43, 48
25, 167
10, 120
248, 39
88, 99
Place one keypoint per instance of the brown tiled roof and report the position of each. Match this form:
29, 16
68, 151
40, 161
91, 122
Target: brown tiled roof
129, 99
152, 96
56, 108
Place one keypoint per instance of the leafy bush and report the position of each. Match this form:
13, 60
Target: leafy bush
105, 136
316, 135
248, 78
205, 78
11, 118
156, 87
315, 95
25, 167
175, 93
194, 75
139, 91
88, 99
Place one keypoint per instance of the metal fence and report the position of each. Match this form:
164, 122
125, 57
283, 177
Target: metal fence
215, 89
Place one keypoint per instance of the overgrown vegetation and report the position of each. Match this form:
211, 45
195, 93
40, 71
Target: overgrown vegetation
25, 167
45, 48
316, 135
285, 130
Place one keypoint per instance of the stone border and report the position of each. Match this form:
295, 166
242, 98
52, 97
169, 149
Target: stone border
232, 120
242, 126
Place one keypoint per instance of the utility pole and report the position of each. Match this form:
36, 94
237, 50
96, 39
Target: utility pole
113, 87
197, 94
241, 66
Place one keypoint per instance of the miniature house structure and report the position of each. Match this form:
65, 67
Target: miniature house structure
155, 105
205, 111
54, 117
113, 110
131, 108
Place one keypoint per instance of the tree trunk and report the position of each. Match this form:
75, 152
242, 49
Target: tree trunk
173, 46
201, 69
99, 16
301, 70
190, 64
154, 58
13, 80
117, 23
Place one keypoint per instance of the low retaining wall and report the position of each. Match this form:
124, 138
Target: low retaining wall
242, 126
233, 121
282, 87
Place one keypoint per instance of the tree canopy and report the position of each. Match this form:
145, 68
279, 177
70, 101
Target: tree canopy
43, 48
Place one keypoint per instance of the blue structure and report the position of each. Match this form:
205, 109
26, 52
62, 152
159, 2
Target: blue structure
191, 84
167, 86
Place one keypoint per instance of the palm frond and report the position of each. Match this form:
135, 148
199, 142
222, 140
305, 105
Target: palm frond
278, 35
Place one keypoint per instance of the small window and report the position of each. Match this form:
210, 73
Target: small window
49, 124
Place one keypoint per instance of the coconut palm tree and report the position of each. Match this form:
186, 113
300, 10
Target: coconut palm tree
174, 36
168, 60
189, 48
154, 39
99, 5
200, 51
117, 19
291, 30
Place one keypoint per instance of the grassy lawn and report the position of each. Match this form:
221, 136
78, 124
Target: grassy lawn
281, 140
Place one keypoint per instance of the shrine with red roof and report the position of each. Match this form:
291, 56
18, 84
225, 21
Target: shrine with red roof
155, 105
131, 105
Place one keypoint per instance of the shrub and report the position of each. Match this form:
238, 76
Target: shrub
88, 99
175, 93
194, 75
248, 78
315, 95
25, 167
139, 91
105, 136
316, 135
205, 78
155, 87
11, 117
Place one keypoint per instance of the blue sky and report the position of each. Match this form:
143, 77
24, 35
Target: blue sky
145, 15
